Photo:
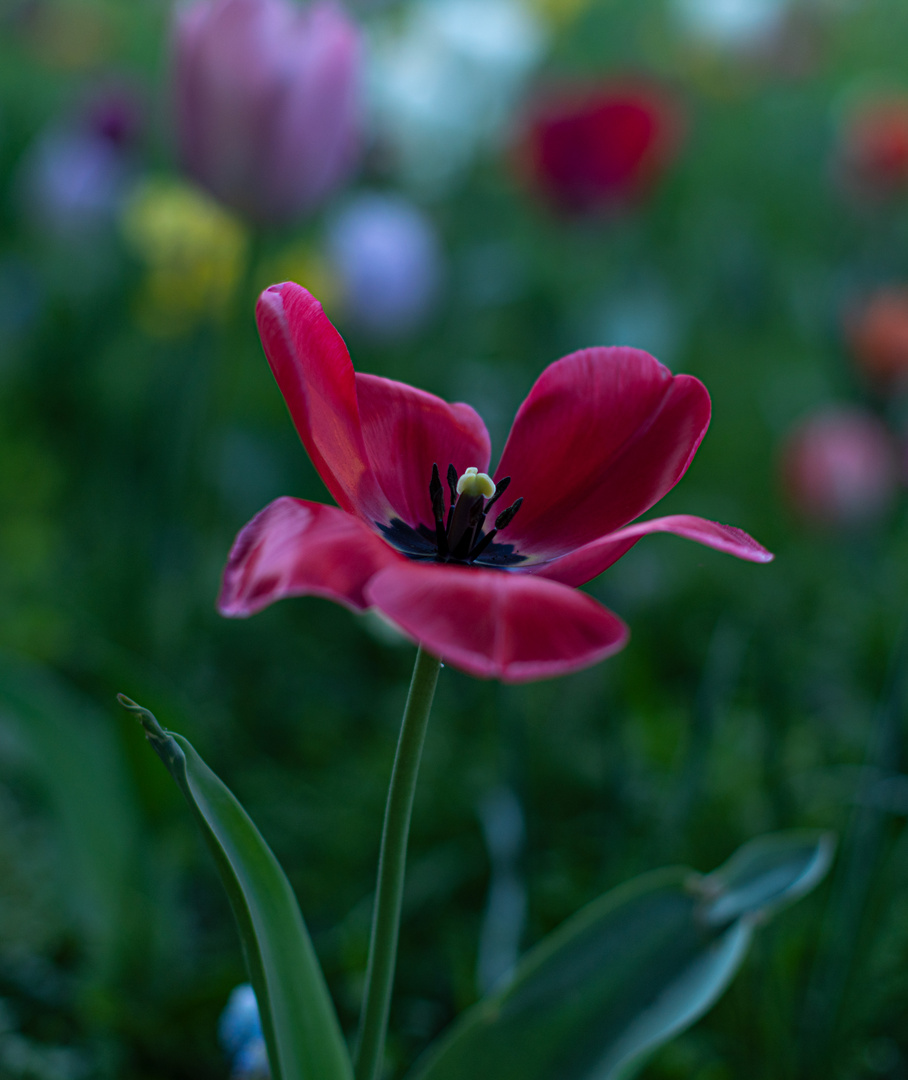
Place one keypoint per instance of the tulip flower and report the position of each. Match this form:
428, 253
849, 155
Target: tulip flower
422, 531
878, 334
873, 146
266, 102
595, 147
840, 467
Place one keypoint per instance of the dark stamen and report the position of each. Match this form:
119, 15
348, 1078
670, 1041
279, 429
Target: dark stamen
507, 516
459, 528
437, 495
500, 488
470, 506
482, 545
452, 486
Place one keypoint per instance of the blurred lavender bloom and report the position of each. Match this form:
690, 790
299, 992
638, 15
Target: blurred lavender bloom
71, 182
267, 102
240, 1035
387, 258
74, 176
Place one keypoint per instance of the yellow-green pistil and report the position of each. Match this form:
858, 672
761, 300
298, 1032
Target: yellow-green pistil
459, 533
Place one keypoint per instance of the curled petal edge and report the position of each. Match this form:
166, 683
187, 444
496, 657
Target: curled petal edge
313, 370
587, 562
298, 548
497, 625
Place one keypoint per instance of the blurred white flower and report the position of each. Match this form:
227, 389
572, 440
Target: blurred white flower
445, 85
386, 257
733, 24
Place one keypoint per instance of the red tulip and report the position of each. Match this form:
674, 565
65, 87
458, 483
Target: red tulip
878, 334
874, 146
591, 148
267, 103
603, 435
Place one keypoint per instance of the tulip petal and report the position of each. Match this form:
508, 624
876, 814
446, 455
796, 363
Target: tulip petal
313, 370
495, 624
603, 435
406, 432
582, 565
297, 548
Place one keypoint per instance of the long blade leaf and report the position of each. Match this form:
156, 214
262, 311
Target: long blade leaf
299, 1022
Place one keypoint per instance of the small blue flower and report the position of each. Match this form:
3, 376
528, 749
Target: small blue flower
240, 1034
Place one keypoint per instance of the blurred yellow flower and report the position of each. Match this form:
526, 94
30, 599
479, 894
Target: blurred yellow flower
302, 263
560, 12
194, 251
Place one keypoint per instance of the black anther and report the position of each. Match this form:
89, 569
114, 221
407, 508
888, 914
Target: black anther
507, 516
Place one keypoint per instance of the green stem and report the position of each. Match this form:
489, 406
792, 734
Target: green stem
391, 865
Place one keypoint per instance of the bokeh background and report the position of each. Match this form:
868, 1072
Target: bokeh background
721, 182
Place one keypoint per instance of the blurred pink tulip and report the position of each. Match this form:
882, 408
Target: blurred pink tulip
840, 468
267, 102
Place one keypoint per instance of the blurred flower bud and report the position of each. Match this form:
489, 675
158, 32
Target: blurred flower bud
590, 148
240, 1035
840, 467
878, 335
116, 114
387, 261
873, 146
267, 102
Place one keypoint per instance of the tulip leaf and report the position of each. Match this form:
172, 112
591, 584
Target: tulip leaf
627, 972
71, 751
299, 1022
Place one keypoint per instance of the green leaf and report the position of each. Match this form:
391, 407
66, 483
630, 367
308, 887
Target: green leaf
300, 1025
628, 972
71, 751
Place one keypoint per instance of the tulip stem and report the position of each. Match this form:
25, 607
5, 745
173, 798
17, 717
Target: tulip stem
391, 865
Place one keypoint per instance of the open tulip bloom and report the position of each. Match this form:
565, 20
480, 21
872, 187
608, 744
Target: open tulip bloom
480, 569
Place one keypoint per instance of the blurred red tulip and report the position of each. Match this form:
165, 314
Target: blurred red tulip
878, 335
840, 467
589, 148
267, 102
874, 146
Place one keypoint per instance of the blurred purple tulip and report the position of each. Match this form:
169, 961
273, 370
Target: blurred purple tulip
267, 102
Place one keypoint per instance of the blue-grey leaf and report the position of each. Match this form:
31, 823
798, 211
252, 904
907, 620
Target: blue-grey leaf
628, 972
767, 873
